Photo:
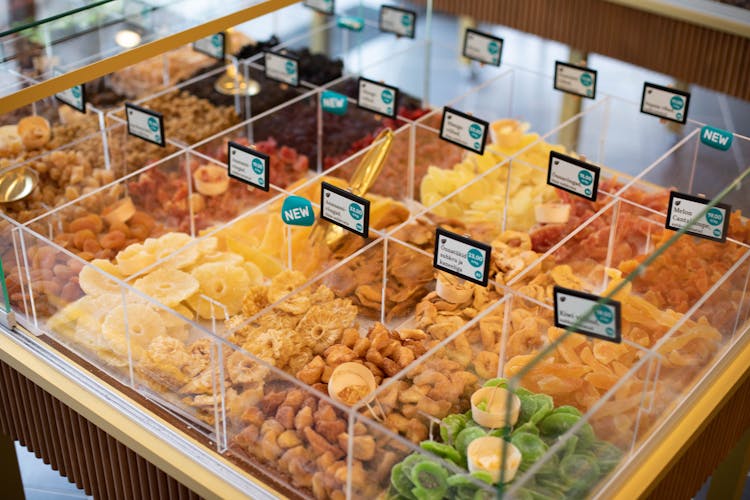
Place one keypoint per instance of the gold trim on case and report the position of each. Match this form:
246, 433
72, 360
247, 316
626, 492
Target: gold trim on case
160, 453
135, 55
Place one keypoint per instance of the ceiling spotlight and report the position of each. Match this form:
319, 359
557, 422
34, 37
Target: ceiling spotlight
127, 39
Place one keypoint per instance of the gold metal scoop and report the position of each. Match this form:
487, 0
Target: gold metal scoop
362, 180
17, 183
232, 82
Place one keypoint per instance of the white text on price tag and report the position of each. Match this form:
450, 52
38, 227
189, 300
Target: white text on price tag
248, 165
345, 209
583, 312
481, 47
684, 208
670, 104
284, 69
462, 256
145, 123
464, 130
577, 80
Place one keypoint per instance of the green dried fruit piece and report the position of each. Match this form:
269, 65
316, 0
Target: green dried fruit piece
430, 479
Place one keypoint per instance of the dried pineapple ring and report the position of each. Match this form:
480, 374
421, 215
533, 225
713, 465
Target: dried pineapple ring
284, 283
208, 245
168, 286
169, 243
93, 282
225, 257
133, 258
323, 324
514, 239
563, 276
143, 324
223, 283
450, 289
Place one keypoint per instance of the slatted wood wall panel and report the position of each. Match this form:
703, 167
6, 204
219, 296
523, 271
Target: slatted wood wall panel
718, 438
688, 52
80, 451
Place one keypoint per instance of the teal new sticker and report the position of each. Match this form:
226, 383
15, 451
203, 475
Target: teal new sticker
333, 102
297, 211
351, 23
716, 137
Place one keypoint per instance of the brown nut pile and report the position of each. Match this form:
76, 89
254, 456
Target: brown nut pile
384, 352
307, 440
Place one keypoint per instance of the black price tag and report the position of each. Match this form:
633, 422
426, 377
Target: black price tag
345, 209
398, 21
213, 46
482, 47
75, 96
573, 175
576, 80
322, 6
464, 130
666, 103
571, 306
462, 256
377, 97
248, 165
282, 68
145, 124
712, 225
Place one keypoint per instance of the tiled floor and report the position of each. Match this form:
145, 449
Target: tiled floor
42, 483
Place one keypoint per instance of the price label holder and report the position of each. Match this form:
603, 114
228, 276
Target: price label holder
464, 130
345, 209
75, 96
572, 306
712, 225
248, 165
377, 97
145, 124
462, 256
322, 6
664, 102
576, 80
482, 47
213, 46
282, 68
398, 21
573, 175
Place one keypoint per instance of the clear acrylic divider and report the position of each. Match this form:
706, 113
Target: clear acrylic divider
681, 331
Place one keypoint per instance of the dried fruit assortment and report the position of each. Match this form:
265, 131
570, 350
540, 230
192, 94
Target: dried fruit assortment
507, 452
301, 330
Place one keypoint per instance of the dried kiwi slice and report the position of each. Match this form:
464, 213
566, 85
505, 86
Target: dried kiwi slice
401, 482
442, 450
431, 481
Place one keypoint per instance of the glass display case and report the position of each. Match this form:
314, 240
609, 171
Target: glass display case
330, 364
